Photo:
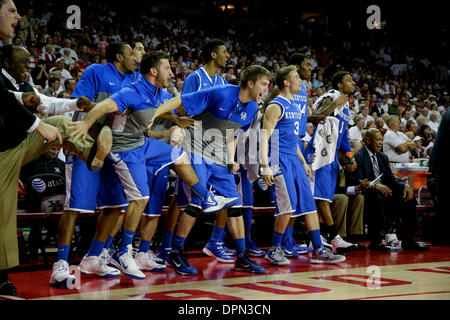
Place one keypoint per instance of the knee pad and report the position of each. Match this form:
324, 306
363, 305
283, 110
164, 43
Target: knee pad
193, 211
234, 212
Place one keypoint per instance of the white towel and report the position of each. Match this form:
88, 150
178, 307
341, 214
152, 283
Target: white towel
325, 141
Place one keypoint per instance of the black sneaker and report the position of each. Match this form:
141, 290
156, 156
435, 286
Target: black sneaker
178, 262
243, 263
7, 288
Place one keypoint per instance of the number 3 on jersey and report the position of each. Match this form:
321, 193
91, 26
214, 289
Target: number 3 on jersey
297, 128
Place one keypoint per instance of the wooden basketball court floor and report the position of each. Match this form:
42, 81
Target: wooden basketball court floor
365, 275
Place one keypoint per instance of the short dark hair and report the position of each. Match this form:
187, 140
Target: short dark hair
66, 82
282, 75
337, 78
297, 58
53, 80
209, 47
152, 59
113, 49
253, 73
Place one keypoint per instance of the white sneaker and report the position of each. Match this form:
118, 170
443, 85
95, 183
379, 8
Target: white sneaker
60, 275
124, 261
341, 245
217, 203
98, 266
146, 261
392, 242
324, 243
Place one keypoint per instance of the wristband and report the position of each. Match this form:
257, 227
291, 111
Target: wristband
266, 171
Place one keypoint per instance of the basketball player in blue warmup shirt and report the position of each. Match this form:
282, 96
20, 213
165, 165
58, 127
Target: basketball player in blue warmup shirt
126, 177
97, 82
287, 169
215, 55
220, 109
323, 181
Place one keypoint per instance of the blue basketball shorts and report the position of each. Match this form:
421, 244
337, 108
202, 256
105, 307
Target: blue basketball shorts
213, 176
323, 181
292, 189
82, 186
158, 178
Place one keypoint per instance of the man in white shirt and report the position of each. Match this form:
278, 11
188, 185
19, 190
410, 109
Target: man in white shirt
15, 66
407, 117
355, 132
72, 54
396, 145
364, 109
434, 121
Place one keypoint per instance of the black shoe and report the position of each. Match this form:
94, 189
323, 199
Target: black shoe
243, 263
380, 247
7, 288
413, 245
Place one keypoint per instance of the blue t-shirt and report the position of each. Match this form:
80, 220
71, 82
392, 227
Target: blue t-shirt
199, 80
97, 83
142, 98
221, 114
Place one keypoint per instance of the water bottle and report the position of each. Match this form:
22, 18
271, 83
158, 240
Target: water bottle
350, 158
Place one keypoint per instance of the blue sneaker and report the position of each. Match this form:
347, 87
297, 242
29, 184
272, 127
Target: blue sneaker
213, 203
253, 250
215, 250
290, 253
228, 251
303, 249
276, 256
287, 246
124, 261
243, 263
178, 262
162, 255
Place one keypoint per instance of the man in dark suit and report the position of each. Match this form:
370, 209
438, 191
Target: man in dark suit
438, 182
23, 137
389, 198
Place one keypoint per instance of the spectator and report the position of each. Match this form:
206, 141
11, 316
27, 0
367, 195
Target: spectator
394, 107
378, 108
54, 85
364, 109
69, 86
434, 121
355, 132
65, 74
407, 117
39, 73
48, 54
28, 26
379, 124
421, 121
72, 55
419, 151
425, 133
396, 144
